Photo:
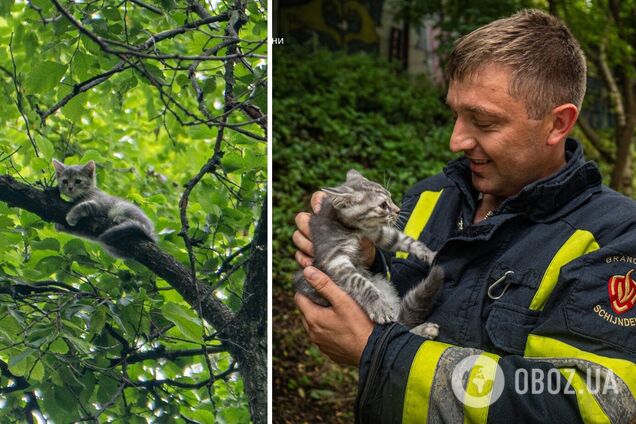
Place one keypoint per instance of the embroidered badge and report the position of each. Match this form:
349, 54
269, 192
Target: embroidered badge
622, 292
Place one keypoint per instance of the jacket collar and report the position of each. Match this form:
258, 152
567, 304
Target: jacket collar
545, 199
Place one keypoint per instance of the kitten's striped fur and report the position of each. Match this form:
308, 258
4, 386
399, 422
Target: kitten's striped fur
361, 208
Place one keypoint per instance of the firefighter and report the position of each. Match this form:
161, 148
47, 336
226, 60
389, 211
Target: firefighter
537, 311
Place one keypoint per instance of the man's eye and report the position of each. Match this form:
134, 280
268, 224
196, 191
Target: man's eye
483, 125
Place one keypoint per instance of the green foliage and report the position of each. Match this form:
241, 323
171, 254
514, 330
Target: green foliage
457, 17
83, 332
334, 112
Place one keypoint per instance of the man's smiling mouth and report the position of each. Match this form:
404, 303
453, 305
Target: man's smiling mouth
480, 161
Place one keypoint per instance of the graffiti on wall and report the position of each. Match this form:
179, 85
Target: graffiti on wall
337, 24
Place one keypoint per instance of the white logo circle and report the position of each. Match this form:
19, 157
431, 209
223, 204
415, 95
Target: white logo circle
483, 387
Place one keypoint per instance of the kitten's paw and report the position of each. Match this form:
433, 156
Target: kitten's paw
382, 313
118, 219
422, 253
428, 330
71, 220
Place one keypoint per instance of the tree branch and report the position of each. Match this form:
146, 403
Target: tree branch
603, 67
50, 207
255, 288
594, 139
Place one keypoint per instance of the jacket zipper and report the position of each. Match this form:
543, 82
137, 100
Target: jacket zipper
373, 368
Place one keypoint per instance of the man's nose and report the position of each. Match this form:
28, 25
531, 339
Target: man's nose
461, 139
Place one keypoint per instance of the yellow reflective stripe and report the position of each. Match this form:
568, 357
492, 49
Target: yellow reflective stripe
420, 216
580, 243
487, 369
589, 408
546, 347
420, 381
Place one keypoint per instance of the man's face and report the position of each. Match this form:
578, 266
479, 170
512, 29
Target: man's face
507, 150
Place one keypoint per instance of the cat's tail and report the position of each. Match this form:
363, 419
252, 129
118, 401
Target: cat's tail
123, 230
417, 303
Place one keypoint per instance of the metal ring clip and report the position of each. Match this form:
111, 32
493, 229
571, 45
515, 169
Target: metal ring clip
496, 283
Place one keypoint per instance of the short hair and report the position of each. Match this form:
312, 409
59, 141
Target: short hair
548, 65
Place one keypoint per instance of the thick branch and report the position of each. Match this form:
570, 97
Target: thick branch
255, 288
594, 139
603, 67
50, 207
163, 353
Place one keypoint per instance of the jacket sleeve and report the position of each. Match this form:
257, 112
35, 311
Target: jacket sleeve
579, 363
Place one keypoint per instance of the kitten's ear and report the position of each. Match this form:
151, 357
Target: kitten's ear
340, 197
90, 168
352, 174
59, 167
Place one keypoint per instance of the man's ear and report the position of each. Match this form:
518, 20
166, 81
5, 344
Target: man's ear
561, 120
59, 167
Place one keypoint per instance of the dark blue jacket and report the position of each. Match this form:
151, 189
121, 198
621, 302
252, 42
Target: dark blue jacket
538, 295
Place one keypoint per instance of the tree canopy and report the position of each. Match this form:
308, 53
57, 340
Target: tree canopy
169, 99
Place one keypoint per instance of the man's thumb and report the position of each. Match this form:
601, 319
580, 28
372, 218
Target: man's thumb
323, 284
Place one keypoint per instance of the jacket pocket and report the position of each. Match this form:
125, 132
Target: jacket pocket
508, 326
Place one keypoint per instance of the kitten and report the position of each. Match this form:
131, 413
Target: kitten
78, 183
362, 208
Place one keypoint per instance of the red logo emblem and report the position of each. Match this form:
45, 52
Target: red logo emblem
622, 292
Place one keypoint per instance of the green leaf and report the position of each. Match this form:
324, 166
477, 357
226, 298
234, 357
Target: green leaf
234, 415
168, 4
98, 320
46, 148
37, 372
45, 5
9, 328
106, 389
45, 76
5, 7
82, 345
75, 247
75, 108
185, 320
50, 265
201, 416
59, 346
19, 364
232, 162
46, 244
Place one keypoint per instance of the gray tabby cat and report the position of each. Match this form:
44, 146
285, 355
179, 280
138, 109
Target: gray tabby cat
362, 208
78, 182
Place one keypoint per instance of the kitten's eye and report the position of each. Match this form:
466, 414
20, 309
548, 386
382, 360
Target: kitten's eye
385, 205
78, 181
65, 181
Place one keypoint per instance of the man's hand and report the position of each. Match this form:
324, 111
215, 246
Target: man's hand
302, 237
340, 331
